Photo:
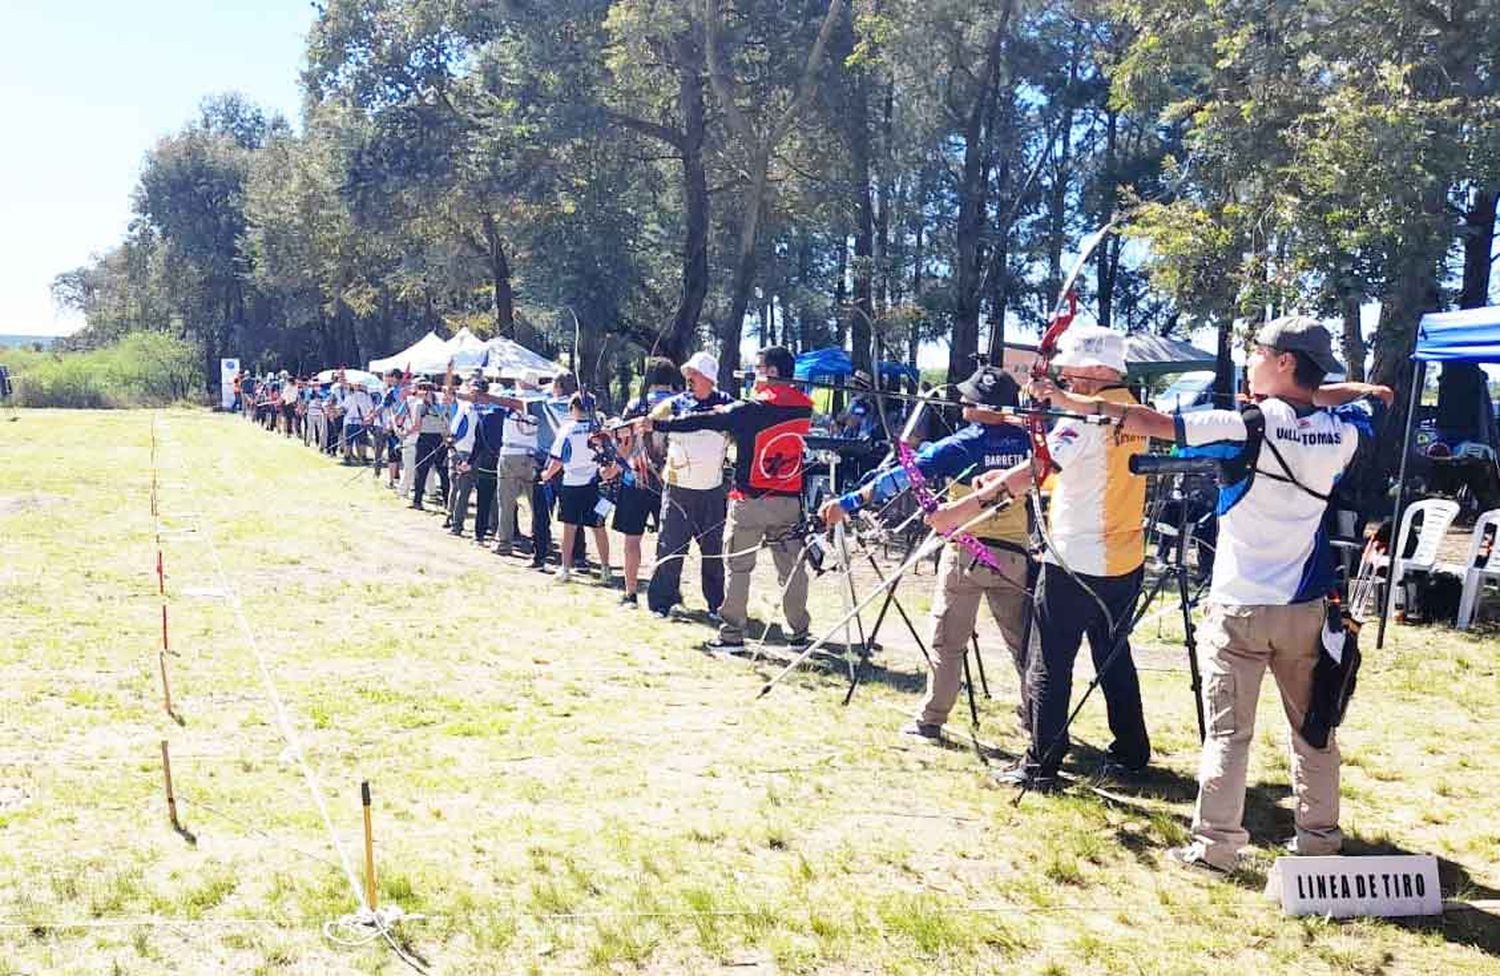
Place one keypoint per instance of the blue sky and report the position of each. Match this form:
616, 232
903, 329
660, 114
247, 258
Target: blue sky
86, 89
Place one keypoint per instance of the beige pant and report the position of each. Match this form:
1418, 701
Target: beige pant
961, 585
750, 521
1236, 646
516, 474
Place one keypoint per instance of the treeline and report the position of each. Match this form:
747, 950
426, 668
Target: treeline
609, 178
144, 369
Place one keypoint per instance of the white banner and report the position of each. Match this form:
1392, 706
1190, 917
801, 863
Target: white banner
1386, 886
227, 370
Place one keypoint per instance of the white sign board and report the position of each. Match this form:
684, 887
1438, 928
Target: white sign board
1382, 886
227, 370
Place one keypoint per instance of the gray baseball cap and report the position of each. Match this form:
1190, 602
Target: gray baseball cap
1298, 333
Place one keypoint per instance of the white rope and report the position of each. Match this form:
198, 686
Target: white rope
288, 732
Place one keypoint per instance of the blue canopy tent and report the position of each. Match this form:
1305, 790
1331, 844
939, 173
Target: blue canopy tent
1469, 335
833, 363
822, 365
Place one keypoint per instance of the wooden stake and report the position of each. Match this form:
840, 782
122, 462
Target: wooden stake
166, 687
161, 579
370, 896
166, 769
164, 646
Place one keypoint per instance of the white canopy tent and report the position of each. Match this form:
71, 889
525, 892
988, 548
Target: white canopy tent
508, 359
465, 349
428, 354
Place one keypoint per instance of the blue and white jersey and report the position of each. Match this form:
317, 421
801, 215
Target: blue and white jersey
1272, 548
571, 447
461, 428
973, 450
550, 413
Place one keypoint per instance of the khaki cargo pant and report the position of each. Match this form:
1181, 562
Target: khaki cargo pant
517, 472
750, 521
961, 585
1236, 645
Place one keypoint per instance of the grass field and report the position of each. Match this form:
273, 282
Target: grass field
564, 786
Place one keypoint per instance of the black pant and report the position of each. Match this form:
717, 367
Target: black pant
485, 483
688, 514
428, 447
543, 500
1063, 613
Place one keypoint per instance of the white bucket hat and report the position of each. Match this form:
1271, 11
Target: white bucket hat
702, 362
1091, 345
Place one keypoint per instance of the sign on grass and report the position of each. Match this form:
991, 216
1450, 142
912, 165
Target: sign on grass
1385, 886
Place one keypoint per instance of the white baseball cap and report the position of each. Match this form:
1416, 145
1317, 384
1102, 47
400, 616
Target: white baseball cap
1091, 345
531, 377
702, 362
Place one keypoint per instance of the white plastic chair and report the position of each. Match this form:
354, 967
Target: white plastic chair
1481, 564
1437, 514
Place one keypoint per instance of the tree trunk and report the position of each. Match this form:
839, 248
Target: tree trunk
914, 337
1108, 268
676, 343
505, 310
1353, 342
732, 328
971, 214
841, 293
1479, 241
862, 323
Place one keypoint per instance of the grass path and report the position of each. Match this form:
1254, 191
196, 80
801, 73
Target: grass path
562, 786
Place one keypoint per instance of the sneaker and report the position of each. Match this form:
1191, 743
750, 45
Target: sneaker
564, 575
1117, 772
662, 614
542, 568
480, 541
1192, 856
923, 730
448, 523
721, 646
1298, 848
714, 618
606, 576
502, 552
1022, 776
630, 600
799, 640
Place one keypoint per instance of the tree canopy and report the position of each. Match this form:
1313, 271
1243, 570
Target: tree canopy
608, 179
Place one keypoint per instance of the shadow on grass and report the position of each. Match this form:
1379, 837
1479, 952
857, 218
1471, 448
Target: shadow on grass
1265, 817
1461, 925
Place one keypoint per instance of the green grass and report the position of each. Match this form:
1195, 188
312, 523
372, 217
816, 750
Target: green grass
562, 786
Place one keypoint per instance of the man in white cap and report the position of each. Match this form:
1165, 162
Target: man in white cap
694, 499
1091, 569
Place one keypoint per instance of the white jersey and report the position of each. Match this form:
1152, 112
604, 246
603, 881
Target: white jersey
695, 459
357, 407
571, 447
520, 434
1271, 548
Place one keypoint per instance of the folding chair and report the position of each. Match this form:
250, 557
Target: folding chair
1479, 566
1431, 518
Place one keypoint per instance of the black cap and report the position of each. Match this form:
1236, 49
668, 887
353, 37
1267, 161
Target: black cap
991, 386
